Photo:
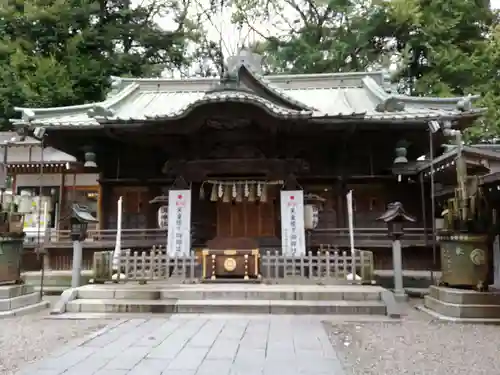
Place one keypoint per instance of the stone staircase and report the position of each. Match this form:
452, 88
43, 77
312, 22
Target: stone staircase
227, 298
19, 300
462, 305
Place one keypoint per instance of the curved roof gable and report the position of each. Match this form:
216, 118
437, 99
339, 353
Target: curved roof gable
361, 96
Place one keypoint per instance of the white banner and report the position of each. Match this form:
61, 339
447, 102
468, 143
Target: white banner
179, 222
293, 237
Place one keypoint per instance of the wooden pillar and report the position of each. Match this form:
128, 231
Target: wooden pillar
100, 207
61, 203
341, 217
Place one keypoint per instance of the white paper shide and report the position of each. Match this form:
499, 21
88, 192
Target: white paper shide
292, 223
179, 222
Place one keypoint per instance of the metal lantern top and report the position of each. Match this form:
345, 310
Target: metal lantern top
395, 217
82, 213
80, 218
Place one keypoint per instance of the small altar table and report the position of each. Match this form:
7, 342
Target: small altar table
230, 264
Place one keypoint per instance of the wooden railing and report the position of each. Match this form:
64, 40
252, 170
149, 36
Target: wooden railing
369, 237
325, 267
329, 267
105, 238
145, 266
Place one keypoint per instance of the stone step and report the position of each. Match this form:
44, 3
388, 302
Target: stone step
347, 293
29, 309
454, 310
11, 291
464, 297
18, 302
226, 306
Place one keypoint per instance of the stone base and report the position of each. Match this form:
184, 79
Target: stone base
401, 296
463, 304
228, 298
19, 299
55, 282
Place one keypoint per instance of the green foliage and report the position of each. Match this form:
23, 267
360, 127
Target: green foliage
63, 52
311, 36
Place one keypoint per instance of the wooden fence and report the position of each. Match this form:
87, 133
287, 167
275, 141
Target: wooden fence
324, 267
327, 267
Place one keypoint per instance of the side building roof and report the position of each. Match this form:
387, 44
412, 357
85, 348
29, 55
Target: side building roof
26, 152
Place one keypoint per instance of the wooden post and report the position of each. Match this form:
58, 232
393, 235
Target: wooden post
100, 207
61, 203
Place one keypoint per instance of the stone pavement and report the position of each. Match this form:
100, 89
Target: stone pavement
199, 345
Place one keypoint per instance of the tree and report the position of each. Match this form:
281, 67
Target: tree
448, 48
438, 41
314, 36
63, 52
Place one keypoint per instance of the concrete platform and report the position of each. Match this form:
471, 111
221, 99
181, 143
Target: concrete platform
19, 300
227, 298
446, 303
57, 281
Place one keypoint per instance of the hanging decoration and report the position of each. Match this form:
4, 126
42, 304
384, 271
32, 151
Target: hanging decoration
263, 194
238, 191
213, 194
226, 198
251, 194
202, 192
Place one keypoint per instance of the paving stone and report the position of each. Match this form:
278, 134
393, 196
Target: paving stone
215, 366
188, 359
111, 372
179, 372
128, 359
250, 357
233, 330
89, 365
67, 360
207, 334
197, 345
158, 336
150, 366
223, 349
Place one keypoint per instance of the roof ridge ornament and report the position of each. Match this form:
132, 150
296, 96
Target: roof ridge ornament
248, 59
465, 104
391, 104
28, 115
98, 110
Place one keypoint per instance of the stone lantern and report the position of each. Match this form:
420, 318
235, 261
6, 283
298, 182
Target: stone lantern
80, 219
396, 217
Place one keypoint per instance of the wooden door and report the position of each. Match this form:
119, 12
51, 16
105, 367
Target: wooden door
245, 219
135, 207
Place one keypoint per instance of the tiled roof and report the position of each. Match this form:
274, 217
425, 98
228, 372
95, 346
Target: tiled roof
17, 157
315, 96
447, 158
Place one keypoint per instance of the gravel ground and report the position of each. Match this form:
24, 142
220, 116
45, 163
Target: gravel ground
417, 346
31, 337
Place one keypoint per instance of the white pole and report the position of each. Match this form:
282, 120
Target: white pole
350, 217
351, 220
118, 244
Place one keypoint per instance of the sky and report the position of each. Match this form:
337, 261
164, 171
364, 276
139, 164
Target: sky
219, 24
